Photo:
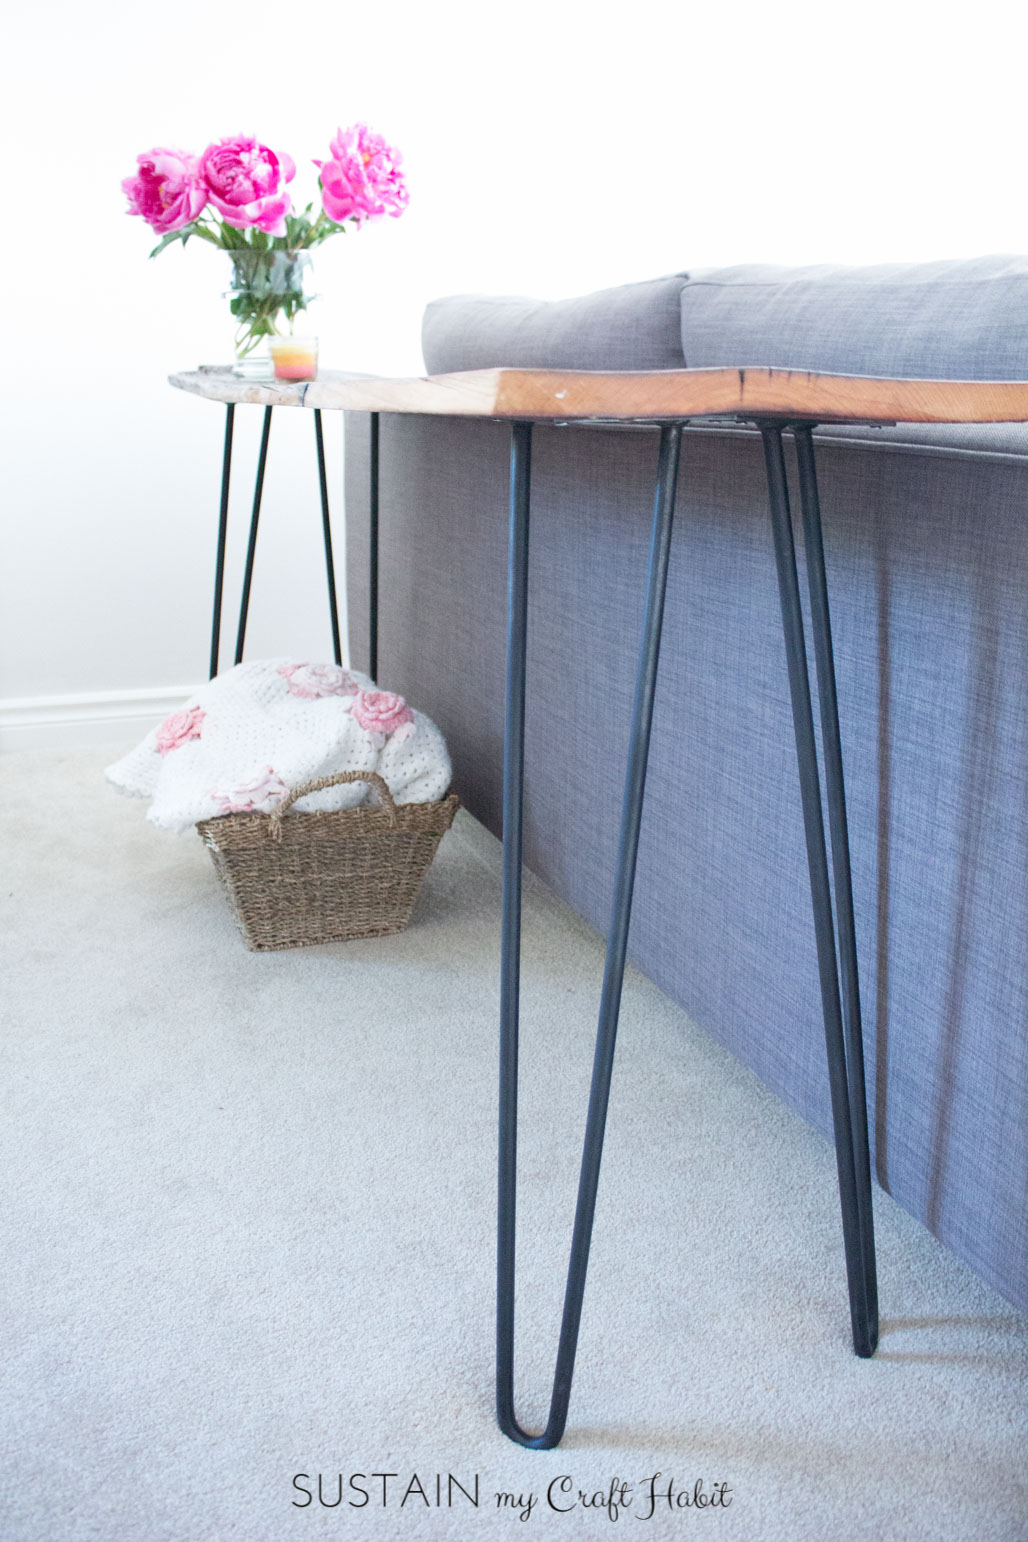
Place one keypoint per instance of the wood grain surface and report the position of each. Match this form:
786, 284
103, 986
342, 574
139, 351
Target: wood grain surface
749, 394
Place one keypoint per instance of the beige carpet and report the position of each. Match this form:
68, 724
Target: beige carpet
249, 1207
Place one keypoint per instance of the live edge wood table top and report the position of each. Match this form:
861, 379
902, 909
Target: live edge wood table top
653, 396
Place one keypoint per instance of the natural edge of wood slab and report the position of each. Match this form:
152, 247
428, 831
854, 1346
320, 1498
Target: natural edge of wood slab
216, 383
749, 393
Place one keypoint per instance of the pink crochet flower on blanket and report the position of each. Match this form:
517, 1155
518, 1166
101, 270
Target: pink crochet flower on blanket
179, 728
260, 795
313, 680
383, 714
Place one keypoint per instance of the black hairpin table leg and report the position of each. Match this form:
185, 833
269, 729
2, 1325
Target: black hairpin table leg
326, 528
251, 545
841, 1015
219, 563
373, 551
617, 940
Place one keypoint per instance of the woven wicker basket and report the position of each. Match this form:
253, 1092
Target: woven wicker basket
326, 877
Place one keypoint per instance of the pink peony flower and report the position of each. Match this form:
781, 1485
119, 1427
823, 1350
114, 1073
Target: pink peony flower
313, 680
246, 182
260, 795
179, 728
167, 190
383, 713
362, 180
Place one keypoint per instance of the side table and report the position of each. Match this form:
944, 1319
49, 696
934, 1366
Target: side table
218, 384
774, 401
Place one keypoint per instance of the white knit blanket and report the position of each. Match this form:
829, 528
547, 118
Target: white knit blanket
252, 734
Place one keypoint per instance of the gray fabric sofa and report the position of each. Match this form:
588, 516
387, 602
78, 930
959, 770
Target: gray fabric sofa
926, 536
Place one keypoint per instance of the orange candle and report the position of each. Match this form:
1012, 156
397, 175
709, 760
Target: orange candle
294, 358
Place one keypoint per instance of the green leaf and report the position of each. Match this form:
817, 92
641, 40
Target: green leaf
172, 235
206, 234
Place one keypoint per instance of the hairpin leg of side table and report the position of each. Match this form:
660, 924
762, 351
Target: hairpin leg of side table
251, 545
219, 563
844, 1045
373, 549
330, 572
617, 940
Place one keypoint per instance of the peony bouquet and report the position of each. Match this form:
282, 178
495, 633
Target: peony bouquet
236, 196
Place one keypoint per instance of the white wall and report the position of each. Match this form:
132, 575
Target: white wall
550, 149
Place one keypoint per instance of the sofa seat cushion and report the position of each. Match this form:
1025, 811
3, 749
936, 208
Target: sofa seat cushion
961, 320
635, 326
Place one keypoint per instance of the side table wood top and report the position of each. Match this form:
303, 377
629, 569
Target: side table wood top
630, 396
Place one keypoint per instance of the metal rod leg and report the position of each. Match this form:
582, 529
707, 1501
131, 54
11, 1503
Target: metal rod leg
817, 861
330, 572
373, 552
617, 939
251, 545
821, 629
219, 563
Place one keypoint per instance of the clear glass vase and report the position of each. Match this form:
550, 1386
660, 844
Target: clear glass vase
269, 290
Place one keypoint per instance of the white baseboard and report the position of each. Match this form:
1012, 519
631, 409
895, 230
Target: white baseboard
96, 717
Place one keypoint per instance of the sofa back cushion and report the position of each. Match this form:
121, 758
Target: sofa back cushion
965, 320
636, 326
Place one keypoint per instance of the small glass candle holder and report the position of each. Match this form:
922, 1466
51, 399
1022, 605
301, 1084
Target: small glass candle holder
294, 358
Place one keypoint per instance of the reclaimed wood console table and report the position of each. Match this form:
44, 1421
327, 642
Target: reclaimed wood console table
773, 401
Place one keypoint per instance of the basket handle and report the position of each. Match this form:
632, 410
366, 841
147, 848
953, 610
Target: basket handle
373, 779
